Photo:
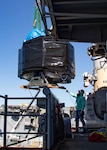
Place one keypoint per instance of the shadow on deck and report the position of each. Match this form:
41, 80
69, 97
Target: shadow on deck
80, 142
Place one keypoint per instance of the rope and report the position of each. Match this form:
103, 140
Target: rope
37, 18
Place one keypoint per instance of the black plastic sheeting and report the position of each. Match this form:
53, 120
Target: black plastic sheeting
54, 59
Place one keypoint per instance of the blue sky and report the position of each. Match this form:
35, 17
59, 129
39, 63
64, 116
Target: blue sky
16, 21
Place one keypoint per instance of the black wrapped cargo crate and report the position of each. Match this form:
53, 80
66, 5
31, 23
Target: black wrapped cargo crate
54, 59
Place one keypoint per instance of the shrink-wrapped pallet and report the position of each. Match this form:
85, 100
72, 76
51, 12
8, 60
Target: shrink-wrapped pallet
55, 59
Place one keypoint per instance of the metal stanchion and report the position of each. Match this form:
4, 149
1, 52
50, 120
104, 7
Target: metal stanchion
5, 121
47, 92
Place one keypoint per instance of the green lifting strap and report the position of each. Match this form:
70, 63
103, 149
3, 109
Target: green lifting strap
37, 18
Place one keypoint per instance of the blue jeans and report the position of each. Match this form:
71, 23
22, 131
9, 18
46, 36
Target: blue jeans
79, 116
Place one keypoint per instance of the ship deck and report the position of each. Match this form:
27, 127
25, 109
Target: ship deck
81, 142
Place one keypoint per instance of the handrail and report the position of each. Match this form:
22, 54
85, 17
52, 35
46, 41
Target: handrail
49, 124
22, 115
2, 96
